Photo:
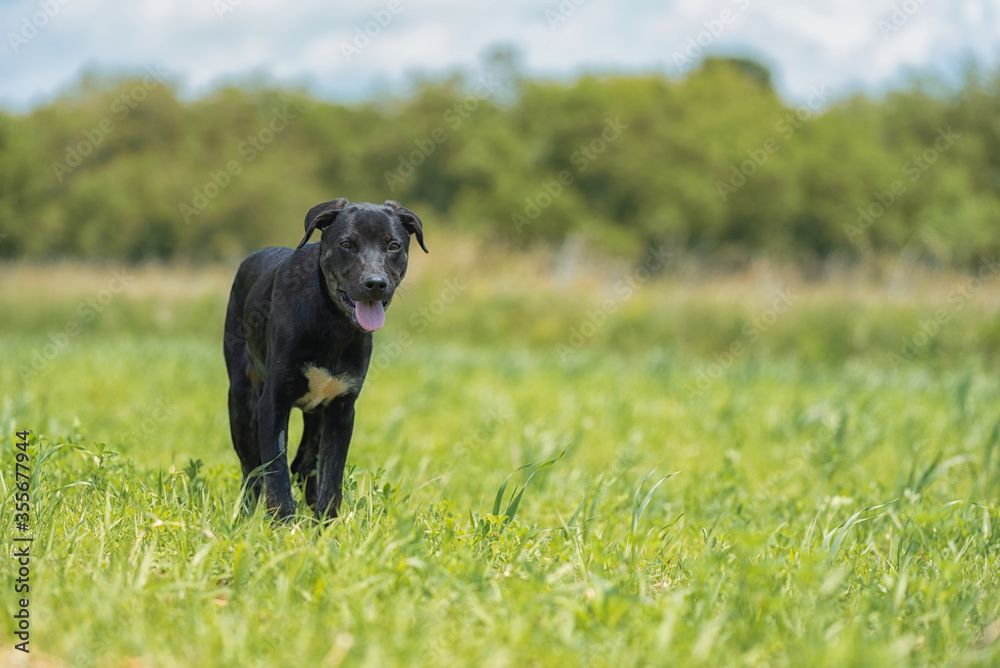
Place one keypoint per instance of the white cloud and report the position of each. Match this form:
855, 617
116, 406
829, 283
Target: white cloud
806, 43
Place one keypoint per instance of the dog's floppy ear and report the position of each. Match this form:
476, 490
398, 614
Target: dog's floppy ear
322, 215
411, 221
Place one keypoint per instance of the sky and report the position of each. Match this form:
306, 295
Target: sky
378, 46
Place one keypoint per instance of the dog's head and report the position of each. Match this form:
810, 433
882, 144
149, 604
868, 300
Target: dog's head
362, 254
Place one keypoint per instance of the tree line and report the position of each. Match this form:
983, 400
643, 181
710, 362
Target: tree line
715, 163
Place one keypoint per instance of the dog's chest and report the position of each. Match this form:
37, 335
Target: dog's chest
323, 387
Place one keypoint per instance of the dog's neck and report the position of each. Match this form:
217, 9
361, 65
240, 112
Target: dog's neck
324, 288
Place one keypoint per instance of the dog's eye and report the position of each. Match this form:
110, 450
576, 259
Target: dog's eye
345, 244
394, 246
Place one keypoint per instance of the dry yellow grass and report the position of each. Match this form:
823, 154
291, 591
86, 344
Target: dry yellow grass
569, 270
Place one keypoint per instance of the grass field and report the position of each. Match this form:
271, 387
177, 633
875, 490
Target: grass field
745, 471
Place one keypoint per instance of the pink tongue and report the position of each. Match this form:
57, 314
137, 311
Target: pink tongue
370, 315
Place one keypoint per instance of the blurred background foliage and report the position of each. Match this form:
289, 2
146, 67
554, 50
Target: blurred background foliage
715, 164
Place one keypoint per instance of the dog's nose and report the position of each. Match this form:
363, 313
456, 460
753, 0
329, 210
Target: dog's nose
376, 284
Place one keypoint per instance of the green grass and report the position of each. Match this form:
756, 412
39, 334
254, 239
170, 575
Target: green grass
815, 505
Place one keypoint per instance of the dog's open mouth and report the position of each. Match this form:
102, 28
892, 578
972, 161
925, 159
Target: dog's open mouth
369, 314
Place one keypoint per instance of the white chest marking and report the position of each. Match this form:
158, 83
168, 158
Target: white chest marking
323, 387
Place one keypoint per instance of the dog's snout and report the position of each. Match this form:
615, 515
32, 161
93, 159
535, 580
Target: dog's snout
376, 285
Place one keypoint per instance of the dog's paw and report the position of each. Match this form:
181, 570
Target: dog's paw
327, 517
282, 512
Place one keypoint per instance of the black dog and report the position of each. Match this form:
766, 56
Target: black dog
298, 334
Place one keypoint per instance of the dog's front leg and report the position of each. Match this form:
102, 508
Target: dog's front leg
272, 419
338, 426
